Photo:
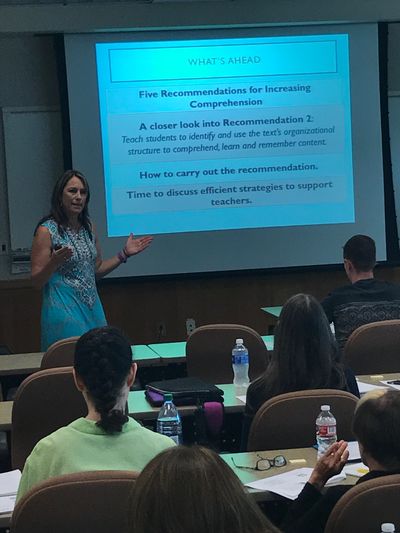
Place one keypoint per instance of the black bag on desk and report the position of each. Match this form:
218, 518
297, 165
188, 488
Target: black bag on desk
185, 391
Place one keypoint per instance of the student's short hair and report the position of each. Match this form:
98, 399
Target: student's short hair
361, 251
376, 425
193, 490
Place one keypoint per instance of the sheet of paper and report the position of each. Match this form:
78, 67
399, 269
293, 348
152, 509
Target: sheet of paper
356, 469
9, 482
354, 451
7, 503
289, 484
366, 387
391, 385
242, 398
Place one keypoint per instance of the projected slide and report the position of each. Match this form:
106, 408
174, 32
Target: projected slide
226, 134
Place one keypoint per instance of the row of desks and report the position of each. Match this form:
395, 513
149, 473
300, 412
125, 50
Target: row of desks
140, 409
296, 458
145, 355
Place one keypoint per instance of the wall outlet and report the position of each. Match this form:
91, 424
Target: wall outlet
190, 325
161, 329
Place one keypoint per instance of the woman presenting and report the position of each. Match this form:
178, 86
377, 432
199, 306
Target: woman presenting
66, 261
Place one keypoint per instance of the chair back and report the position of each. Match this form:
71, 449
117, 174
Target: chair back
60, 353
44, 402
374, 348
83, 502
288, 420
209, 352
366, 506
350, 316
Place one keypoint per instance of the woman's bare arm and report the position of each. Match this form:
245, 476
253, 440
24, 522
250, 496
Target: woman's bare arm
44, 259
132, 246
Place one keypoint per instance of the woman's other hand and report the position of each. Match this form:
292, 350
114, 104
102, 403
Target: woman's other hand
61, 255
136, 245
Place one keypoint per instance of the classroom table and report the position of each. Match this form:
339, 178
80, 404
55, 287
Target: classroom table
175, 352
376, 379
295, 458
140, 409
170, 352
20, 363
274, 311
268, 341
158, 354
28, 363
5, 416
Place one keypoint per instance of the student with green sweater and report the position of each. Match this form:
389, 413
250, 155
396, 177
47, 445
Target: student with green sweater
106, 439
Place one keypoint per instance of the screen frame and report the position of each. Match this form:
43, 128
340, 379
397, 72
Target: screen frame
391, 234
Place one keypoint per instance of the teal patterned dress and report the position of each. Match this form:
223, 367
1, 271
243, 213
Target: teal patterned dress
71, 305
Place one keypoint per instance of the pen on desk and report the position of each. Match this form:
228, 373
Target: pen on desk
394, 382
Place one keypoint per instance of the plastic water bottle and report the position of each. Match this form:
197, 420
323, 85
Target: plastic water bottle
240, 365
169, 421
325, 429
388, 528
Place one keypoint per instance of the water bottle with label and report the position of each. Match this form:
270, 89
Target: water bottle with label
240, 365
325, 429
169, 421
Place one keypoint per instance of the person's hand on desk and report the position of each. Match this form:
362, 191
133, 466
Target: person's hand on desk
330, 464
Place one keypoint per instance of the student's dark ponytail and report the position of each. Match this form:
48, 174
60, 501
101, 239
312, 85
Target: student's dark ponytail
103, 359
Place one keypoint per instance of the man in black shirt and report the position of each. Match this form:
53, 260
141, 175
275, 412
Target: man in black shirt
367, 299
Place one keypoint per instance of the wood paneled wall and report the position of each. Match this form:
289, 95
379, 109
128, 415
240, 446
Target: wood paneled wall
139, 306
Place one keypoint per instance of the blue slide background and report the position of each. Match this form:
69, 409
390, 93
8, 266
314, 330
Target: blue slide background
175, 162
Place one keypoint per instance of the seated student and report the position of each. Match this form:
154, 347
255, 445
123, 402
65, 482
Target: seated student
305, 357
377, 428
192, 490
367, 299
107, 439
